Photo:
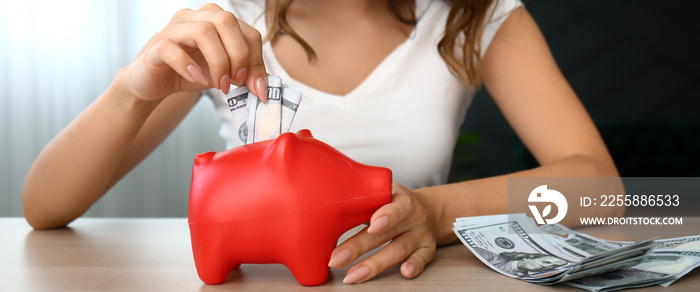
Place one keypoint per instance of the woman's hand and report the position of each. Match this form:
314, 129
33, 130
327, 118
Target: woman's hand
197, 50
408, 223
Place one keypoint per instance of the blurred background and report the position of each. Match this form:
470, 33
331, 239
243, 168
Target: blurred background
56, 57
633, 63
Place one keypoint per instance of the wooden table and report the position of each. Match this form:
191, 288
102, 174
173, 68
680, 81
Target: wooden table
155, 255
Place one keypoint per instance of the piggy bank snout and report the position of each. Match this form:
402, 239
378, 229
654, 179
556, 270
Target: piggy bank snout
370, 190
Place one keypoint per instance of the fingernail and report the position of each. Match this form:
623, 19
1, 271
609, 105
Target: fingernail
378, 225
197, 74
409, 270
339, 258
225, 83
240, 76
261, 88
356, 275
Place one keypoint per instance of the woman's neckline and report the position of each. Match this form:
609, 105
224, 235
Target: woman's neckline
273, 62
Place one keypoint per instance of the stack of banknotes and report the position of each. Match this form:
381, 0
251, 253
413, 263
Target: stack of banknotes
515, 246
256, 121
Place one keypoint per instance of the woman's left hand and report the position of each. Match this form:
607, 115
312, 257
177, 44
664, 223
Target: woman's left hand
410, 225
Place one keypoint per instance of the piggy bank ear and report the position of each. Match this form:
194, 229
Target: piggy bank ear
283, 147
203, 158
305, 133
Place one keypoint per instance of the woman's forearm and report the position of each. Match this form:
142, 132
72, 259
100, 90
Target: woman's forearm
490, 196
74, 169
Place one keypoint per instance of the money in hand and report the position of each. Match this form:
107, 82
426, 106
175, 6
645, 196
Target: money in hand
256, 121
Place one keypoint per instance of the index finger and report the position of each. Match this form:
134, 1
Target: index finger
390, 214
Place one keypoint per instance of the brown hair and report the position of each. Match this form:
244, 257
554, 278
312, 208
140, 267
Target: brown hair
460, 46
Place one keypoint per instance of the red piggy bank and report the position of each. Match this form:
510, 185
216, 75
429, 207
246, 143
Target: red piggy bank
284, 201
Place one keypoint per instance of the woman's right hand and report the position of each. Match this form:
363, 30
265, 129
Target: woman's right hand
197, 50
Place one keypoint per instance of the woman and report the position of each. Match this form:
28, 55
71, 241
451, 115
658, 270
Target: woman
388, 85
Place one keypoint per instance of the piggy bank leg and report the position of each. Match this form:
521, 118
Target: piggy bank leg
210, 258
213, 270
310, 268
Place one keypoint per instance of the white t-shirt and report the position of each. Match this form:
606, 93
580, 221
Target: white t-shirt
405, 116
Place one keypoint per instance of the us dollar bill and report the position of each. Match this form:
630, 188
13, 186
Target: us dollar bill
291, 98
604, 262
659, 267
677, 263
684, 243
512, 249
255, 121
580, 244
561, 249
264, 119
557, 229
618, 280
575, 258
680, 243
238, 105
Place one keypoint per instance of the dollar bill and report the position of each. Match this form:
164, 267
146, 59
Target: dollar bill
588, 245
256, 121
238, 105
609, 261
602, 263
677, 263
684, 243
620, 279
478, 220
264, 119
290, 103
504, 242
636, 250
581, 244
680, 243
557, 229
609, 267
659, 267
512, 249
